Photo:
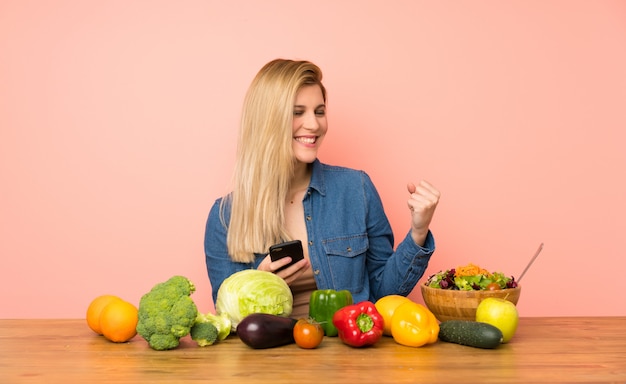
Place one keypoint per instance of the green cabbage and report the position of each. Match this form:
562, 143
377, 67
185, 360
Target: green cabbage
253, 291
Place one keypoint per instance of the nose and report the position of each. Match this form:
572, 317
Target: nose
310, 121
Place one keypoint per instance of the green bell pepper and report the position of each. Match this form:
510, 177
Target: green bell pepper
323, 305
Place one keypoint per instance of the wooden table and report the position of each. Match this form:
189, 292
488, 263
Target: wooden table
544, 350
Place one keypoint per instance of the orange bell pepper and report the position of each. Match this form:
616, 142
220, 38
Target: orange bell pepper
414, 325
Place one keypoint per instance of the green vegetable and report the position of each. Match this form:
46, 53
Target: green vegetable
448, 280
204, 333
253, 291
470, 333
167, 313
323, 305
221, 323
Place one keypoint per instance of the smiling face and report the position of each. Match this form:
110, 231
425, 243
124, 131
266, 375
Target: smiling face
309, 123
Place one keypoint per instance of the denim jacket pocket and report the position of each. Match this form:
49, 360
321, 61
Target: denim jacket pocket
346, 257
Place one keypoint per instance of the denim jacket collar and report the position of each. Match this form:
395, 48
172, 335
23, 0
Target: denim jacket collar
317, 178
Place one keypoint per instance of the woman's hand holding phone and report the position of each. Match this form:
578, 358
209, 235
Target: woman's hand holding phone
292, 249
278, 260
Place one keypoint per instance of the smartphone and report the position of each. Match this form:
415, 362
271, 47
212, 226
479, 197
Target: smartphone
292, 249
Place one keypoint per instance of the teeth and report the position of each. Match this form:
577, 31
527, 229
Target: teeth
306, 140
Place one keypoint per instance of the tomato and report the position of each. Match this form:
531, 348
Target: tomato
493, 287
307, 333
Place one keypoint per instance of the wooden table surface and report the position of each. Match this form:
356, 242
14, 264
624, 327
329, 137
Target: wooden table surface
544, 350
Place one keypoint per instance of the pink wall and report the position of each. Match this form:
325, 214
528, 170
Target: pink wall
118, 122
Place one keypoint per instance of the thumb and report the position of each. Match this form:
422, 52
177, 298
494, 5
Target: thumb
411, 188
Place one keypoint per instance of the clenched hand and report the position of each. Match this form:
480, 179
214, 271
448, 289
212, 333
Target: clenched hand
422, 203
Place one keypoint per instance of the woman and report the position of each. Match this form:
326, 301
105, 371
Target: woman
283, 192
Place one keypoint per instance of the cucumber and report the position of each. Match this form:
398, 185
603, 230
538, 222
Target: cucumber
471, 333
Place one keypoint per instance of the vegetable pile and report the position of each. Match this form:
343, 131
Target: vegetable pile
257, 305
470, 277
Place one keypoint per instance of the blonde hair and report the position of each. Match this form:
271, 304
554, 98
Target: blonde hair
265, 160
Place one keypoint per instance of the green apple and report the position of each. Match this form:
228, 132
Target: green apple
500, 313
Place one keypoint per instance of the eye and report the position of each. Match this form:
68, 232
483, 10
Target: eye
298, 113
320, 112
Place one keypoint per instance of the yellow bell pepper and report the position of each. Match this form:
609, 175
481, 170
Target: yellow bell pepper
414, 325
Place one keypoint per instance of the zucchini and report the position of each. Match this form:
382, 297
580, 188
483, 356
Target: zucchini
471, 333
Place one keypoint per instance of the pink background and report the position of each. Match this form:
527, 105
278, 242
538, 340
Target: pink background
118, 124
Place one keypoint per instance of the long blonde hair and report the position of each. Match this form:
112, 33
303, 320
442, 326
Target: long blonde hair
265, 160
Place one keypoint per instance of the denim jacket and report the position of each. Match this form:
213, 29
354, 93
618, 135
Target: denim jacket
350, 239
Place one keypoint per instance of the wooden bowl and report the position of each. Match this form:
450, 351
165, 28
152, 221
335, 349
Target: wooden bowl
447, 304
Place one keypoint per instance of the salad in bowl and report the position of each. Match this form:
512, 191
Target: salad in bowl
470, 278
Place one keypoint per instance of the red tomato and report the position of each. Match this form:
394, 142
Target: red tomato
307, 333
493, 287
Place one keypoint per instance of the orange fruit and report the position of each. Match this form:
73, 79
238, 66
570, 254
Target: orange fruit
386, 306
118, 321
94, 310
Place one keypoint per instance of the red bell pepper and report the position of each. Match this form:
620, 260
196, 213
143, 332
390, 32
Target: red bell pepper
359, 325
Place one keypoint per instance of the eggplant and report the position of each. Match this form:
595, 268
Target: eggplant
262, 330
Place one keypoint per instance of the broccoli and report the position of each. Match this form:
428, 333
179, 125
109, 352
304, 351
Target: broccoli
167, 313
204, 333
202, 330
